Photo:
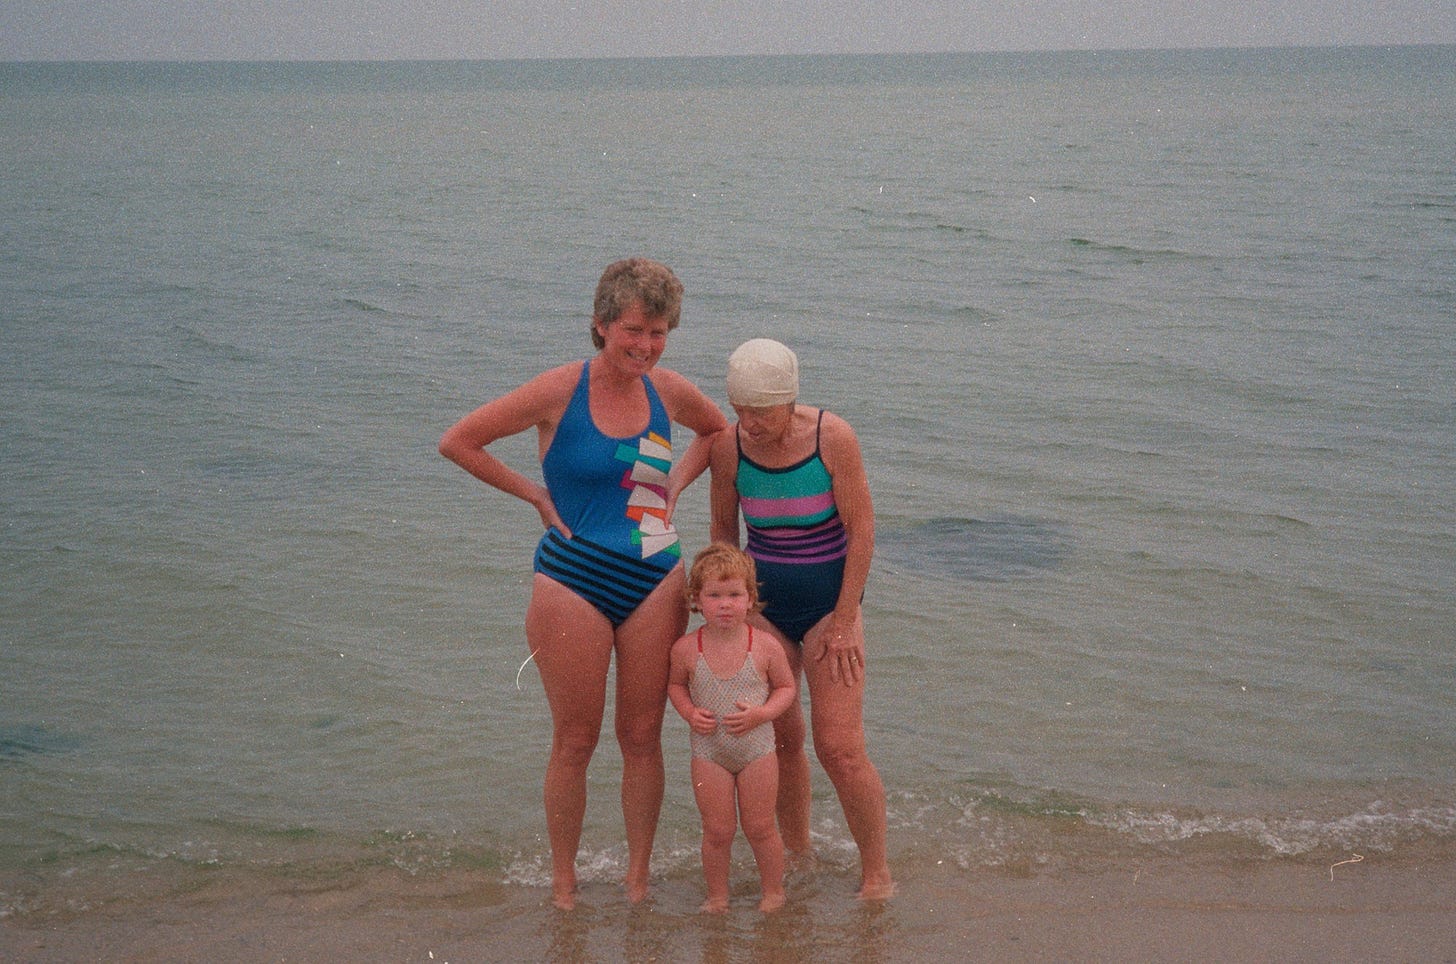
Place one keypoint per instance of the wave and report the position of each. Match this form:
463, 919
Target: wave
1136, 255
990, 550
20, 741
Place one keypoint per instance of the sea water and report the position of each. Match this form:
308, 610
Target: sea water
1149, 354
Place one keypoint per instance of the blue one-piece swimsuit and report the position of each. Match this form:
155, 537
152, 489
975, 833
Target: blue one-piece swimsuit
612, 495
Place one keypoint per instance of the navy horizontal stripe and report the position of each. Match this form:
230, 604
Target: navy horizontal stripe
615, 584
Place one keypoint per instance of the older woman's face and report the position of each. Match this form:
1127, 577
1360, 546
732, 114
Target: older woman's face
767, 424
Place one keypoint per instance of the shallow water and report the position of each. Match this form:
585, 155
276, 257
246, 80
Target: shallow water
1147, 354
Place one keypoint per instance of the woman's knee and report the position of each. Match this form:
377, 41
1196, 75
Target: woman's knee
575, 744
640, 737
841, 754
789, 731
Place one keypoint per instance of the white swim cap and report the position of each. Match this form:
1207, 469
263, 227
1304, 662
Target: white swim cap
762, 373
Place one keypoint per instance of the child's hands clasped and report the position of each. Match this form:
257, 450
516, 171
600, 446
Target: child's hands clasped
703, 721
744, 720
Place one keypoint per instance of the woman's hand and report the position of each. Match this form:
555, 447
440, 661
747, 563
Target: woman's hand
839, 640
550, 518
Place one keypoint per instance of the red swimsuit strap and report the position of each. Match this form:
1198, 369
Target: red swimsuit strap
750, 639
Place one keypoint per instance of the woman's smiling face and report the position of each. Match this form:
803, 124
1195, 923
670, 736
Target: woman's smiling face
634, 340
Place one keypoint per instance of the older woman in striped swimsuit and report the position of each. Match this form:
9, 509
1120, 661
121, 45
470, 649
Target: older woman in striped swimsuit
795, 473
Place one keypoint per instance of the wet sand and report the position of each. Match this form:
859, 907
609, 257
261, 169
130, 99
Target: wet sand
1377, 909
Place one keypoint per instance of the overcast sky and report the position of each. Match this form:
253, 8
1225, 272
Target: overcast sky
491, 29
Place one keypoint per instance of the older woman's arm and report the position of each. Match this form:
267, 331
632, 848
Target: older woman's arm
839, 447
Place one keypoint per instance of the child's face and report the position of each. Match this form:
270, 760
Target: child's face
724, 602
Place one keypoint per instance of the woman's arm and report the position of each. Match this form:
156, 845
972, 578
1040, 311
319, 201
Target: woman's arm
539, 403
723, 498
841, 453
840, 449
689, 407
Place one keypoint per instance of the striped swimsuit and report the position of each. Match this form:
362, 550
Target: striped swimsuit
612, 495
795, 537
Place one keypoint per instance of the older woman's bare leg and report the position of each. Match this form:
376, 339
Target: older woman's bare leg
644, 645
795, 790
571, 643
837, 720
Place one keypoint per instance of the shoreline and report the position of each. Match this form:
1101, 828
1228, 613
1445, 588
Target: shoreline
1384, 907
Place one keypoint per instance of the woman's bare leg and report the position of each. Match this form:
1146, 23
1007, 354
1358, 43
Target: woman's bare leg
644, 644
837, 718
572, 646
795, 789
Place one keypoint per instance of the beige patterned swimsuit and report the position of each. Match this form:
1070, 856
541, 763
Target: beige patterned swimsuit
720, 697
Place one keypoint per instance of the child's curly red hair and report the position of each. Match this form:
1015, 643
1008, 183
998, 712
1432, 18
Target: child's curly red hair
722, 561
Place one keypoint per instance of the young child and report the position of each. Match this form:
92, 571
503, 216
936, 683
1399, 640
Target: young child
730, 682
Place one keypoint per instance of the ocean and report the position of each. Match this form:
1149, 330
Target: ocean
1149, 354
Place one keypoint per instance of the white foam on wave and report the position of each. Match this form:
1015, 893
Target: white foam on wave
1376, 827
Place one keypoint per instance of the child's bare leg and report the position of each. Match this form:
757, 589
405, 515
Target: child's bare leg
757, 795
713, 789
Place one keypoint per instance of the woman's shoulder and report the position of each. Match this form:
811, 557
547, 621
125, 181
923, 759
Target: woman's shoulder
669, 382
558, 379
547, 395
839, 446
834, 428
567, 371
686, 403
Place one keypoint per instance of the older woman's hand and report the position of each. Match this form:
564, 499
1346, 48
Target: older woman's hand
840, 641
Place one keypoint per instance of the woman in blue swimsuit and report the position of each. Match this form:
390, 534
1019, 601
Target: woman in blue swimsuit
796, 475
608, 574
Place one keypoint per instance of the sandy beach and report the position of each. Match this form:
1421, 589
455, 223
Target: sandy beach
1372, 909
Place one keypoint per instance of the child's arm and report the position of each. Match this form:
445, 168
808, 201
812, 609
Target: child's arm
781, 693
677, 687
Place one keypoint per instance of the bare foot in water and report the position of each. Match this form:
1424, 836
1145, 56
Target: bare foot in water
877, 889
637, 891
564, 898
771, 902
714, 905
